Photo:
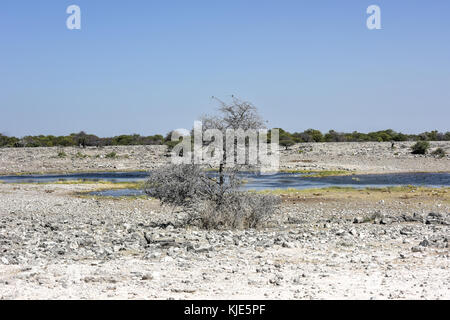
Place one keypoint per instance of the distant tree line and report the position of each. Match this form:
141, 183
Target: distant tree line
79, 139
311, 135
286, 138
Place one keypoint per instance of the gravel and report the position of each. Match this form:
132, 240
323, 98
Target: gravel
57, 245
361, 157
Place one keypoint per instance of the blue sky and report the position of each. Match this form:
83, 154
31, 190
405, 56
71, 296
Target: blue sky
151, 66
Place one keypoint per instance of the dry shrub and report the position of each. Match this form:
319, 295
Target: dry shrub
210, 204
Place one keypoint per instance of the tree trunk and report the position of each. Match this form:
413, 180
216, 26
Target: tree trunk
221, 174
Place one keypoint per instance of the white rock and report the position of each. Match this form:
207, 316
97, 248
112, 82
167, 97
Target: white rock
167, 259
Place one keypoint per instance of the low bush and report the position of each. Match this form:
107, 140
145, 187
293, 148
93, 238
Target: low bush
80, 155
286, 142
439, 152
111, 155
420, 147
208, 203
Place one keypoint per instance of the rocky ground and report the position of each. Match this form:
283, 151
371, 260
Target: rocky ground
324, 244
56, 243
362, 157
48, 160
365, 157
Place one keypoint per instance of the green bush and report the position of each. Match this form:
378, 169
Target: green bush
420, 147
111, 155
286, 142
62, 154
79, 155
439, 152
314, 135
171, 144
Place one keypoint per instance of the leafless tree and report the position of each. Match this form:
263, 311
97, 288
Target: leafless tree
238, 114
216, 200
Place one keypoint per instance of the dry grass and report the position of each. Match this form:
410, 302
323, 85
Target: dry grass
422, 194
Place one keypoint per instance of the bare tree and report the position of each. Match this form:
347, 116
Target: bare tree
216, 200
236, 115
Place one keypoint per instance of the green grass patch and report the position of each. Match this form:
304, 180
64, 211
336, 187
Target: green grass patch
90, 196
320, 173
105, 185
291, 191
29, 173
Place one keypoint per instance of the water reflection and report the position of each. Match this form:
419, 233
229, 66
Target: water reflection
253, 181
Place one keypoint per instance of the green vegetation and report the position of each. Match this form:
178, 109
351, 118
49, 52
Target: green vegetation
420, 147
86, 195
327, 173
311, 135
79, 139
62, 154
286, 142
439, 152
316, 191
318, 173
172, 144
108, 185
79, 155
103, 184
111, 155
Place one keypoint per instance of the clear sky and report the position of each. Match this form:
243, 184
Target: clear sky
151, 66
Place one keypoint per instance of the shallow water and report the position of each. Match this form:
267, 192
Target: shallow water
255, 182
118, 193
284, 181
92, 176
